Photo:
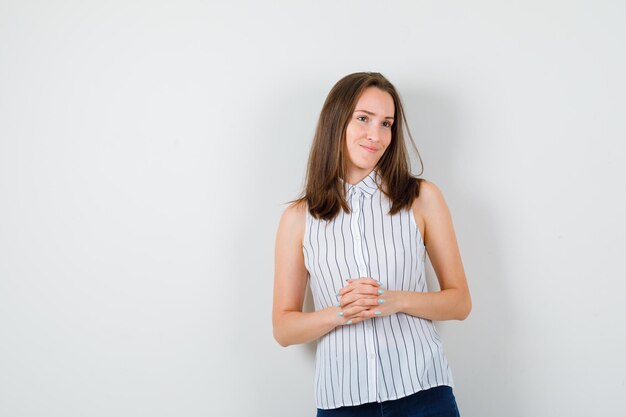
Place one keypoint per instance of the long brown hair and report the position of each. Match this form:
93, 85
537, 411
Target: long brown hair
324, 191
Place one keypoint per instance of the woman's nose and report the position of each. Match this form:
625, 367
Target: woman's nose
373, 134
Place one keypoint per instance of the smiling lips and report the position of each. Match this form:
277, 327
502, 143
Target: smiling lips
368, 149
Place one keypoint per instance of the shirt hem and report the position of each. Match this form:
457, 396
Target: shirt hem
392, 398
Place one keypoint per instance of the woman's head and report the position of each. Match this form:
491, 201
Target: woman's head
337, 150
368, 134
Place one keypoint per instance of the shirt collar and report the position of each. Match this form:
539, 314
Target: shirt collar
367, 186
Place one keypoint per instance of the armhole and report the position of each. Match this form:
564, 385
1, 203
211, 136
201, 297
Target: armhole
307, 216
414, 222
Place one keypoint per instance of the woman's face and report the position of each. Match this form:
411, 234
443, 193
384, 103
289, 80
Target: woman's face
368, 133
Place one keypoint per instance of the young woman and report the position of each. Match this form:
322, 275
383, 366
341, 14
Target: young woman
358, 236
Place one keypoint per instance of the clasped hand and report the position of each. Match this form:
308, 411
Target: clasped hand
364, 298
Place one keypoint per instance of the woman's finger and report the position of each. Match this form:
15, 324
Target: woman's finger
360, 284
364, 280
356, 310
357, 314
355, 295
358, 301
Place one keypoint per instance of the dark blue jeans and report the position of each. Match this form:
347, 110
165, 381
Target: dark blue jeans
433, 402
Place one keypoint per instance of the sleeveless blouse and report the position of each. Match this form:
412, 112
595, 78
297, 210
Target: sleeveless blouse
382, 358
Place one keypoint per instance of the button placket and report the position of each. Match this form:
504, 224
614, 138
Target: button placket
356, 202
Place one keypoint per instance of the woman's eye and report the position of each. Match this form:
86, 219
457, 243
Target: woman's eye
361, 118
386, 124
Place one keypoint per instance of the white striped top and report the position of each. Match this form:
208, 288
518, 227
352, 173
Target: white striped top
382, 358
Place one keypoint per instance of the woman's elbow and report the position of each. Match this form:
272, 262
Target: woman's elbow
280, 339
466, 308
278, 334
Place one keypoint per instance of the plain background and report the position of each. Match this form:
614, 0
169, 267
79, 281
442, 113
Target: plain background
147, 149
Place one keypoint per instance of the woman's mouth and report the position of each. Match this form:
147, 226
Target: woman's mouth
368, 149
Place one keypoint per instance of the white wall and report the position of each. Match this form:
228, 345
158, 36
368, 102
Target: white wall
147, 148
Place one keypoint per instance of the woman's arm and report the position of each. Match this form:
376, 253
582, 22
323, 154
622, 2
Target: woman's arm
453, 301
291, 325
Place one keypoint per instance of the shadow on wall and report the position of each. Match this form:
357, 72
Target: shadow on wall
481, 348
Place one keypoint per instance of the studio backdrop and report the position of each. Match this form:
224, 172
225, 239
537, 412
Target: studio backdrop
148, 149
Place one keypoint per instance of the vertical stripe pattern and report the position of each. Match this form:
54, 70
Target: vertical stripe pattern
382, 358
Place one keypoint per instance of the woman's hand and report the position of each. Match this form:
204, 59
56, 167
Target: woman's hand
364, 298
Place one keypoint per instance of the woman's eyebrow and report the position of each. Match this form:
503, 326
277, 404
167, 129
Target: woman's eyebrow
373, 114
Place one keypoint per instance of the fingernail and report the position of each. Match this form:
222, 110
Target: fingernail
348, 280
381, 291
349, 322
378, 313
340, 314
379, 283
337, 304
380, 301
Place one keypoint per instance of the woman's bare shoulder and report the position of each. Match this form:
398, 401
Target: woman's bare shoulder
430, 203
429, 194
295, 211
293, 218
